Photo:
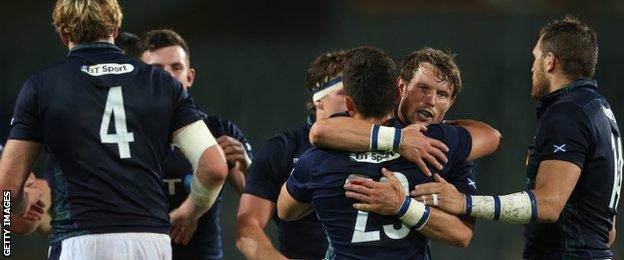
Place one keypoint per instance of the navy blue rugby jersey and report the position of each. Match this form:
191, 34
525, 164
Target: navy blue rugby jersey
319, 177
206, 241
576, 124
301, 239
107, 120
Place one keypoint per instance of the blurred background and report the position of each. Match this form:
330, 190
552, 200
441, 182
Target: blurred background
251, 58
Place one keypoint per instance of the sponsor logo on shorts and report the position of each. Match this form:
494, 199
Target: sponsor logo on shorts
374, 157
107, 69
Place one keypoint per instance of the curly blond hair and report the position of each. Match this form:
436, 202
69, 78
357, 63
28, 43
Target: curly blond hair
86, 20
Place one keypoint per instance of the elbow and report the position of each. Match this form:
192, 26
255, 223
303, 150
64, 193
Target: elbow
216, 173
315, 134
462, 239
494, 139
549, 217
549, 214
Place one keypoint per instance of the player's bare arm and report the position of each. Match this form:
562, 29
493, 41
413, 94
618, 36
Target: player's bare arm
386, 198
350, 134
209, 173
253, 215
237, 159
485, 139
555, 182
612, 233
15, 165
288, 208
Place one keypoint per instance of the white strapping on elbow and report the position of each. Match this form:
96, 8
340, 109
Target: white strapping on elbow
193, 140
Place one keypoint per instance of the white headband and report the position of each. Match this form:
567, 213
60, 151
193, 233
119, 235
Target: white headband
326, 89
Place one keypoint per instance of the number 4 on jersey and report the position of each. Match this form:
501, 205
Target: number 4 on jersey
115, 108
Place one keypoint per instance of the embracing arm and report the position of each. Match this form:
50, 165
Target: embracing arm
485, 139
555, 182
386, 198
253, 215
350, 134
289, 209
341, 133
449, 229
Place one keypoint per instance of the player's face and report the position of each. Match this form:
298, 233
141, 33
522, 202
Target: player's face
426, 98
172, 59
538, 75
334, 102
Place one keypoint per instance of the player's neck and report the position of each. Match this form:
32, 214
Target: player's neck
374, 120
111, 40
558, 82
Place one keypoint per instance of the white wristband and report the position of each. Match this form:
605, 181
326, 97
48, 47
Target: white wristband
416, 216
384, 138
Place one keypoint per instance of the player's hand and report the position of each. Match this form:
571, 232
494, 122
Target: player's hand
35, 207
420, 149
235, 153
183, 222
384, 198
448, 199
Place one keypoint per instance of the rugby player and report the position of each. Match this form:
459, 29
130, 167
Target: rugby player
427, 92
107, 189
574, 165
38, 217
318, 178
167, 49
272, 166
129, 43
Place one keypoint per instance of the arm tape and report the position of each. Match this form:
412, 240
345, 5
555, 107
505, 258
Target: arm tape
384, 138
516, 208
202, 196
193, 140
416, 215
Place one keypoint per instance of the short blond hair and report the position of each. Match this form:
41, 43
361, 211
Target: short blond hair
86, 20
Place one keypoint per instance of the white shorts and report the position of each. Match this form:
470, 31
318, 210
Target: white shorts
117, 246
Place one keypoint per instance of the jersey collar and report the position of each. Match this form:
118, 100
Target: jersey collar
93, 45
552, 97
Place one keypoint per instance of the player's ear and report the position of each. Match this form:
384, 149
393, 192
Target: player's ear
551, 61
402, 86
190, 77
64, 39
350, 105
115, 33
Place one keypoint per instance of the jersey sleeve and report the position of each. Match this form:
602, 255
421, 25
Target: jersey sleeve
463, 177
563, 133
264, 175
184, 109
298, 184
456, 138
26, 121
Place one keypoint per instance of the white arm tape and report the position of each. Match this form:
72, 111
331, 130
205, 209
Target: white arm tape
193, 140
516, 208
202, 196
416, 216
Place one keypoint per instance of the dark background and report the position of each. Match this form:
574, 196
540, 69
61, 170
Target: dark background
251, 58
